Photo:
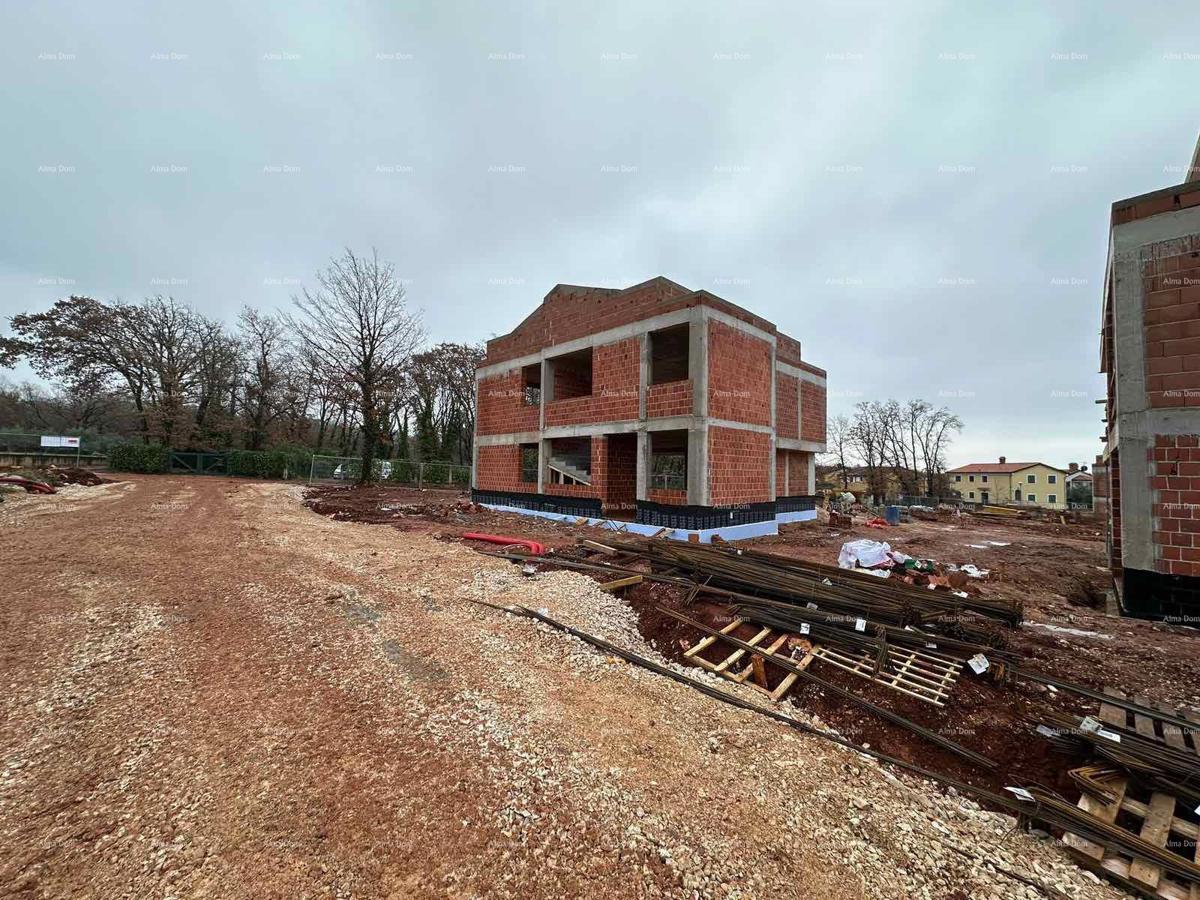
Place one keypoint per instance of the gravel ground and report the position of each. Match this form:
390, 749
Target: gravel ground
212, 691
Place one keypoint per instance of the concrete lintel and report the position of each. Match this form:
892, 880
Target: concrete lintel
801, 374
625, 426
805, 446
620, 333
502, 440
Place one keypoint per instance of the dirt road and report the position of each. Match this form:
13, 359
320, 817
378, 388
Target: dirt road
209, 690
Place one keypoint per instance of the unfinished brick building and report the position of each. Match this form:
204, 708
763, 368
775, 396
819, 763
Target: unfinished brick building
655, 405
1148, 477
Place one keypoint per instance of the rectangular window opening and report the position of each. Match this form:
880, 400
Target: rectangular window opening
669, 354
570, 461
668, 460
529, 463
570, 375
531, 385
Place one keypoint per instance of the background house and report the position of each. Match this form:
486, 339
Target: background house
1020, 483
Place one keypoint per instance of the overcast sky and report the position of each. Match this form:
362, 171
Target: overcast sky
919, 192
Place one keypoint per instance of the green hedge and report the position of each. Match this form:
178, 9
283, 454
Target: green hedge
135, 457
282, 462
403, 472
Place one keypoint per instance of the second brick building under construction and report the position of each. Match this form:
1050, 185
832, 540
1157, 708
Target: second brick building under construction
654, 405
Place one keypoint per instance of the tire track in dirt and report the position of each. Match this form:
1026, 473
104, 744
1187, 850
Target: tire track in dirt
260, 702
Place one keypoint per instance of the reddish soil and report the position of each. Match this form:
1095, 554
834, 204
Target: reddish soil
1056, 570
229, 696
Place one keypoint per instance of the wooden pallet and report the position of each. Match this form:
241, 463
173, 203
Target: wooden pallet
755, 666
1151, 728
916, 673
1160, 823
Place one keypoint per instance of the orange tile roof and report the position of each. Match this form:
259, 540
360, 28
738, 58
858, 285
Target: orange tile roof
997, 467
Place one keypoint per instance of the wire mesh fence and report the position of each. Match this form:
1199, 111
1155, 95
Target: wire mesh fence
433, 474
21, 448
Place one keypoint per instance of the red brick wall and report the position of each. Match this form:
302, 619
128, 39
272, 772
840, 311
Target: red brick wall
1141, 208
616, 369
787, 411
739, 466
1172, 318
501, 406
787, 349
499, 469
1175, 483
739, 375
781, 461
671, 399
672, 496
569, 382
812, 411
619, 455
573, 312
798, 463
571, 490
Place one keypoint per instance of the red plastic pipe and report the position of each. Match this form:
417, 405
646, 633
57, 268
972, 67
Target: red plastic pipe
31, 487
534, 547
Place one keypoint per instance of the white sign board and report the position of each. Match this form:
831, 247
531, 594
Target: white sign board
56, 441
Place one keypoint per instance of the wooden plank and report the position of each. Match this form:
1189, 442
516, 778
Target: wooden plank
705, 642
760, 670
1173, 734
1156, 828
1106, 812
750, 669
1143, 724
1192, 716
1116, 869
621, 583
1181, 827
740, 652
1195, 891
791, 677
1113, 715
599, 547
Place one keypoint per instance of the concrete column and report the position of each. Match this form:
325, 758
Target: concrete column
697, 466
547, 388
543, 462
698, 360
643, 465
812, 474
643, 372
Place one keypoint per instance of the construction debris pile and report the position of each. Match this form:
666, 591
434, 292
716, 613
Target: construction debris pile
791, 623
877, 558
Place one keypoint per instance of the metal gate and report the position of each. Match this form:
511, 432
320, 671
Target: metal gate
198, 463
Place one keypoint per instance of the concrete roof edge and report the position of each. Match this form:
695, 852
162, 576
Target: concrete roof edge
1161, 192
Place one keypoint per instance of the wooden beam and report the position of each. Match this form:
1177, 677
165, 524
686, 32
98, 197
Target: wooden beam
1156, 828
1106, 812
707, 641
621, 583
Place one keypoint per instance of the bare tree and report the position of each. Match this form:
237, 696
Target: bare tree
358, 323
868, 438
264, 344
838, 436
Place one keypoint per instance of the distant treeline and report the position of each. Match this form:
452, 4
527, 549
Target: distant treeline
343, 372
